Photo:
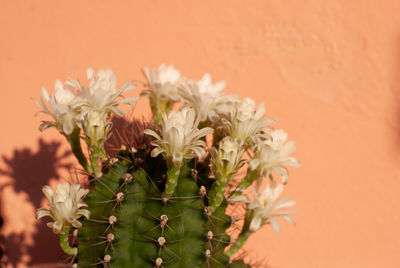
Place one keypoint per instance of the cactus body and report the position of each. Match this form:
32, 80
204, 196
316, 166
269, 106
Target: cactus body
148, 227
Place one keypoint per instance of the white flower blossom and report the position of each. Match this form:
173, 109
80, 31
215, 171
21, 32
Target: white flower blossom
274, 154
246, 122
266, 207
61, 108
227, 159
206, 98
101, 94
163, 85
180, 136
66, 206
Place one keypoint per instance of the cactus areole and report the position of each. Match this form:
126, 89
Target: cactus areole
160, 197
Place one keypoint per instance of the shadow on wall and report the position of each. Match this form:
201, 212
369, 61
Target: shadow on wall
29, 171
127, 131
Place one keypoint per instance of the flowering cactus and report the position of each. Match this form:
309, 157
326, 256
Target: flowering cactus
161, 201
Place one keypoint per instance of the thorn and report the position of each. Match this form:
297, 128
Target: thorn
112, 220
124, 158
113, 160
183, 197
208, 253
161, 241
127, 178
203, 191
105, 185
119, 197
208, 256
210, 235
207, 211
163, 220
107, 258
159, 262
110, 237
105, 261
151, 180
165, 199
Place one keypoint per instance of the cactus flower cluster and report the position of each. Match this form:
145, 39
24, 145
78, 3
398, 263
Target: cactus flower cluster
161, 201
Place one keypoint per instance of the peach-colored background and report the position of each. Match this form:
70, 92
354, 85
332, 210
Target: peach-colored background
328, 70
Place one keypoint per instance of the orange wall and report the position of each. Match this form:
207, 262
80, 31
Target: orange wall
328, 70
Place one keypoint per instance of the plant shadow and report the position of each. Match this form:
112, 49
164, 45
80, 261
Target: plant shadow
29, 171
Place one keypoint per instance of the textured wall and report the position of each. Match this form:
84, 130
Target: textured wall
328, 70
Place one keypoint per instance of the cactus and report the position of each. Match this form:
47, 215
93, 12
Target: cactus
161, 200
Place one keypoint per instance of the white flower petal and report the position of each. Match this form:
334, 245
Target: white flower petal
240, 198
275, 225
57, 226
48, 192
255, 224
42, 213
290, 220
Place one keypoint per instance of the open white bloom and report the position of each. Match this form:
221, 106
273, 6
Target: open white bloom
206, 98
180, 136
227, 159
266, 206
66, 206
274, 155
163, 85
246, 122
61, 108
101, 94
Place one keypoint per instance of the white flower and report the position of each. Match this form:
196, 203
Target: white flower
162, 87
180, 136
66, 206
246, 122
101, 94
227, 159
206, 98
96, 127
266, 206
274, 155
61, 106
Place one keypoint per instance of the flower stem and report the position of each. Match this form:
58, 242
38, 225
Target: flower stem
238, 244
172, 180
217, 193
64, 242
246, 182
96, 153
74, 141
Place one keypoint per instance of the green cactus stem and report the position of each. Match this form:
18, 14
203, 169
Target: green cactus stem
74, 141
172, 180
217, 193
96, 154
64, 242
238, 244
